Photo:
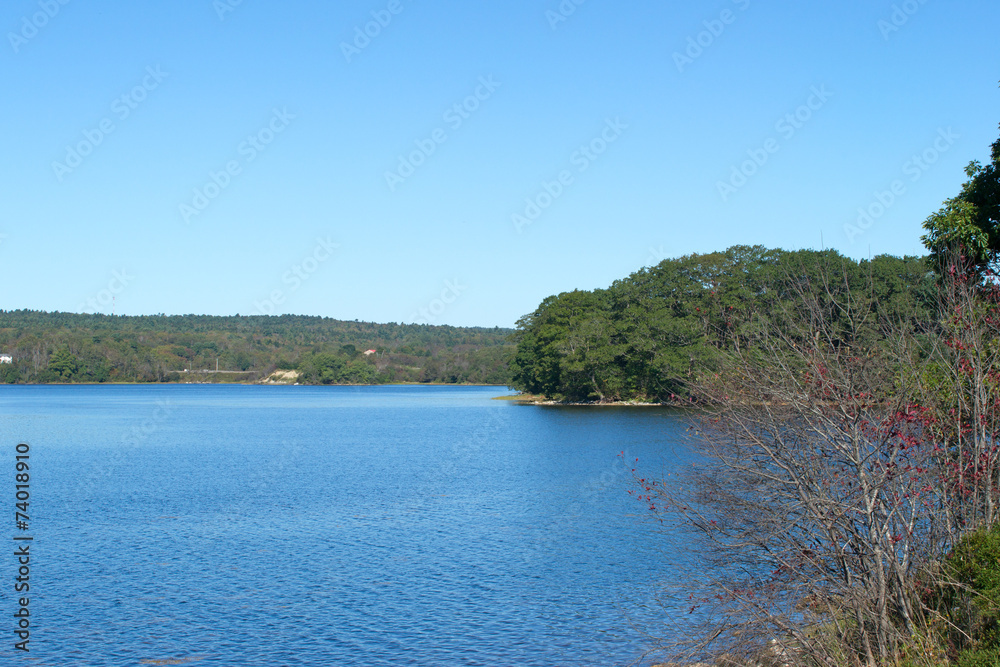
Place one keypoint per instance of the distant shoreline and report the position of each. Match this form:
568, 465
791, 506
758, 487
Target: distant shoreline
242, 384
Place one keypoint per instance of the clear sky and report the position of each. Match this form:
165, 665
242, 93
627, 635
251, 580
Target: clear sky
248, 156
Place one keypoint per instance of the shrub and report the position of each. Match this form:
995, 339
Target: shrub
980, 658
975, 567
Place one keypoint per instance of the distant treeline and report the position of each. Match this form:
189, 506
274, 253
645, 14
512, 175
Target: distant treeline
65, 347
640, 338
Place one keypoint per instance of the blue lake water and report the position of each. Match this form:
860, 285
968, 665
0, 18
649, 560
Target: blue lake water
392, 525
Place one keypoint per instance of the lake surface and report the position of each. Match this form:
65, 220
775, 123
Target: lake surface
392, 525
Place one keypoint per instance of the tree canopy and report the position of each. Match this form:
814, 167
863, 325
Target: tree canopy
971, 219
641, 337
66, 347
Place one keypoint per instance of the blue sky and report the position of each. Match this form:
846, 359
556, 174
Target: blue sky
464, 159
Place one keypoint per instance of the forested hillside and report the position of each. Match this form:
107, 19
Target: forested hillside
641, 337
64, 347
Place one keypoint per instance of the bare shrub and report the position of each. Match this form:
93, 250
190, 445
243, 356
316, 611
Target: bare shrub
845, 455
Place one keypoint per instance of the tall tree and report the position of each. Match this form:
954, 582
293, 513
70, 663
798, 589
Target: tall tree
63, 362
970, 220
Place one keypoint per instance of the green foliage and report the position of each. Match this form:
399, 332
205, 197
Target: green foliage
64, 347
642, 337
340, 367
971, 219
63, 363
965, 598
48, 376
979, 658
565, 346
9, 374
975, 567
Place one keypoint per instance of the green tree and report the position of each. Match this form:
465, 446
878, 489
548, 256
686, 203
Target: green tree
64, 363
970, 220
642, 337
9, 374
562, 347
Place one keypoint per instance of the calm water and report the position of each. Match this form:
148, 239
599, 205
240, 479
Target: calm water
330, 526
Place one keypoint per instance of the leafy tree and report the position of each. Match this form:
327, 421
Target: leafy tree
153, 348
643, 337
970, 220
560, 347
9, 374
63, 363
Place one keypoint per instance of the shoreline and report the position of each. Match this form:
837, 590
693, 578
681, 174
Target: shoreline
530, 399
243, 384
